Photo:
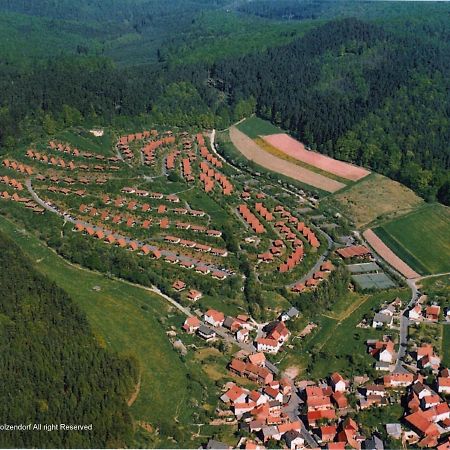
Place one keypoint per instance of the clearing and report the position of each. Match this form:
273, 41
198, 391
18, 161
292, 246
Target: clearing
254, 127
255, 153
421, 238
297, 150
376, 197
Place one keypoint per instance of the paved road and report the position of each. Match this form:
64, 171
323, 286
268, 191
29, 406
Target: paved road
182, 258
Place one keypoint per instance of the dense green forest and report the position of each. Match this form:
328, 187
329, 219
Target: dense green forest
373, 90
51, 361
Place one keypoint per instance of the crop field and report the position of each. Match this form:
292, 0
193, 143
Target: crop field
269, 148
253, 152
297, 150
375, 197
388, 255
421, 238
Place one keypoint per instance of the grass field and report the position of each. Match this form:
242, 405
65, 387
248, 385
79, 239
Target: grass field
375, 197
421, 238
446, 346
337, 345
132, 321
254, 127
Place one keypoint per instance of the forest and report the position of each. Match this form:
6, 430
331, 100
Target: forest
63, 374
372, 90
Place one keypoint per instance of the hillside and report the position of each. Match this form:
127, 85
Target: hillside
63, 374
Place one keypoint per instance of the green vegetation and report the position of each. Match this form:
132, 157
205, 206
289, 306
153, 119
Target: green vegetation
56, 366
446, 346
373, 198
337, 344
133, 321
421, 238
255, 127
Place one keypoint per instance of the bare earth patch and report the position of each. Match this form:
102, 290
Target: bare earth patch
255, 153
297, 150
292, 372
388, 255
377, 196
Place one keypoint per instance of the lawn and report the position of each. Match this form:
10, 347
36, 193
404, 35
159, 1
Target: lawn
254, 127
421, 238
131, 321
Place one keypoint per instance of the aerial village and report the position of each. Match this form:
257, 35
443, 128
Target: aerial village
119, 198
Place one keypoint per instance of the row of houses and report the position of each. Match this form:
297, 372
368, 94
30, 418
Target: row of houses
149, 149
208, 176
19, 167
66, 148
59, 162
12, 182
251, 219
204, 152
27, 202
183, 261
196, 246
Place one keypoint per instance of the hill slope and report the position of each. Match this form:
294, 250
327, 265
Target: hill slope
52, 363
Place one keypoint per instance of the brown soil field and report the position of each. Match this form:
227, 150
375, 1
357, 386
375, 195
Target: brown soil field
376, 196
297, 150
388, 255
253, 152
269, 148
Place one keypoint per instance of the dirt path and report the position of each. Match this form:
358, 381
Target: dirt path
135, 394
253, 152
388, 255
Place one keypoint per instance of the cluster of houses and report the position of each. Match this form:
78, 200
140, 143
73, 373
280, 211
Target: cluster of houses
262, 410
251, 219
149, 149
428, 313
385, 316
18, 167
384, 353
208, 176
276, 334
428, 413
311, 283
